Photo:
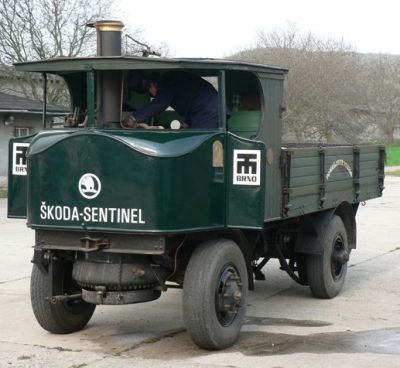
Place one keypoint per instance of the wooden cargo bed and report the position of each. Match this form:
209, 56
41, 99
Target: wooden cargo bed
318, 177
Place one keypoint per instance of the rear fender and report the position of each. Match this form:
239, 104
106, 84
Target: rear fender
313, 227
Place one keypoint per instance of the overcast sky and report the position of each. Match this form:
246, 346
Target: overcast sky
217, 28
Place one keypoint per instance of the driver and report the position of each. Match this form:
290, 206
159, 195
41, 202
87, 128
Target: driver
188, 94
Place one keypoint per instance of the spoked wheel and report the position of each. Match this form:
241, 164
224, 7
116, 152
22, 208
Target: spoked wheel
327, 272
214, 294
64, 316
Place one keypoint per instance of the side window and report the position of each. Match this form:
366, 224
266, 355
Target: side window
166, 117
133, 96
244, 101
77, 91
136, 96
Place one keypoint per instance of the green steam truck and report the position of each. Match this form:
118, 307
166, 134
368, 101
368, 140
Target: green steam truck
121, 215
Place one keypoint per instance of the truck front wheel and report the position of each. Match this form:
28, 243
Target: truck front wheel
214, 294
59, 317
326, 272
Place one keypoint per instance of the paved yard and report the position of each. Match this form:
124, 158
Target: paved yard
285, 326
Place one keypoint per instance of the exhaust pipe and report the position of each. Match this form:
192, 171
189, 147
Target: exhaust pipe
108, 82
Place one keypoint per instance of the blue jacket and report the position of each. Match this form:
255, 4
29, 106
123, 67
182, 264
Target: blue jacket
189, 95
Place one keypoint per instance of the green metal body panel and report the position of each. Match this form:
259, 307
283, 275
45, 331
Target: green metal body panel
150, 181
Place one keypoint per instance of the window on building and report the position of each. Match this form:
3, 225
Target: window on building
22, 131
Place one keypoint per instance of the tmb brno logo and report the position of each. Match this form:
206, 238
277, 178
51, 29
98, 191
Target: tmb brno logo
89, 186
19, 158
246, 167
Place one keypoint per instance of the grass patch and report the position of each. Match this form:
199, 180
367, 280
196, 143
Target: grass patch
393, 155
393, 173
152, 340
115, 352
3, 193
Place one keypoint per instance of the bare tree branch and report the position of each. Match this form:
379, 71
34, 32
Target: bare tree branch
322, 88
40, 29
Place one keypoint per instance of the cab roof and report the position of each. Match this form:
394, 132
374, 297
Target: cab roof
64, 65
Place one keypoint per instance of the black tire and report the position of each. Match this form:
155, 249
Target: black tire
326, 273
214, 294
60, 318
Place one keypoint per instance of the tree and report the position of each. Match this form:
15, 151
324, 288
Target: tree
39, 29
322, 86
382, 89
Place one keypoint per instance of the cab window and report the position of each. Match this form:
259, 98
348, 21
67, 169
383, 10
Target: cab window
243, 95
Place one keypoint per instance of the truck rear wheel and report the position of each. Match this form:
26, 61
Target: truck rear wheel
214, 294
61, 317
326, 272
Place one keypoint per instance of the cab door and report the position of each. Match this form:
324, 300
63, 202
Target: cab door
245, 182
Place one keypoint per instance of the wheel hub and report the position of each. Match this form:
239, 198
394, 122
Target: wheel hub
339, 257
228, 296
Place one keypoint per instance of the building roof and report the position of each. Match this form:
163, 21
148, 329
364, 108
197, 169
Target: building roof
11, 103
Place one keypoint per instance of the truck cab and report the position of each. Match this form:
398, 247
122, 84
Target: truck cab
94, 134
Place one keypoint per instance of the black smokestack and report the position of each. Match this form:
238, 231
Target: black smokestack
108, 82
108, 37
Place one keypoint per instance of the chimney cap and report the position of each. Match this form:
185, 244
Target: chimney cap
106, 25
